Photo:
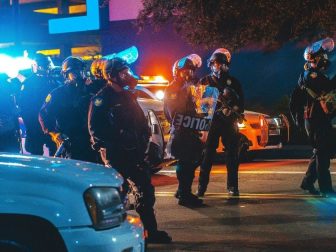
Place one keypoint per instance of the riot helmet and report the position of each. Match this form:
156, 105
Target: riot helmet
219, 61
316, 54
97, 68
185, 67
41, 64
73, 69
116, 70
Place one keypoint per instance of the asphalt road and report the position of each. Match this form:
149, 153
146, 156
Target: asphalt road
272, 213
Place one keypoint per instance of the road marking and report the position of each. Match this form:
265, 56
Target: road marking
249, 195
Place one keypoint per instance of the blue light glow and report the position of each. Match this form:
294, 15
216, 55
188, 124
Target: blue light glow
130, 55
76, 24
12, 66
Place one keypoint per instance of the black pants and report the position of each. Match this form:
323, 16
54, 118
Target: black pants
228, 131
35, 141
323, 140
185, 173
137, 177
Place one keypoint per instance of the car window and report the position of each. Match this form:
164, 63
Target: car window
142, 94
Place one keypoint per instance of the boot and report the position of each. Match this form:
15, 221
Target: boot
201, 191
190, 200
310, 188
158, 237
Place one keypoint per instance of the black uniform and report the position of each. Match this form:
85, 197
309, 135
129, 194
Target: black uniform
119, 129
307, 113
9, 125
65, 111
33, 93
185, 143
226, 128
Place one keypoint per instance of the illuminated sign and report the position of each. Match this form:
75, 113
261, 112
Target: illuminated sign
76, 24
124, 9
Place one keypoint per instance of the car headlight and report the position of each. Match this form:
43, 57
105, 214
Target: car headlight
105, 207
241, 125
159, 95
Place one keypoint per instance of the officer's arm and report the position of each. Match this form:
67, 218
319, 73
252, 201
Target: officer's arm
167, 107
47, 115
97, 123
296, 106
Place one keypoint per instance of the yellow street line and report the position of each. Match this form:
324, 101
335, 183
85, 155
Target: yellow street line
249, 195
246, 172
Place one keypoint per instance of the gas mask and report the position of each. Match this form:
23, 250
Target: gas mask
322, 62
218, 69
75, 78
127, 78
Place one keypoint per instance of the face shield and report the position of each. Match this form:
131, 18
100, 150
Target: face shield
317, 50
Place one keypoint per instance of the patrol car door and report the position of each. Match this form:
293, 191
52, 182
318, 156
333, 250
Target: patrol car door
263, 131
156, 140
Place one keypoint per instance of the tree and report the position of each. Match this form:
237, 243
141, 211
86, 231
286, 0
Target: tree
240, 23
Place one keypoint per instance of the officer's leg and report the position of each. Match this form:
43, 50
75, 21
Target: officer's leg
144, 202
230, 140
311, 174
185, 173
208, 157
34, 144
50, 145
324, 152
181, 177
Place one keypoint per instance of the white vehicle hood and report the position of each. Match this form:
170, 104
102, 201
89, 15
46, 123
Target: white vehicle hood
50, 188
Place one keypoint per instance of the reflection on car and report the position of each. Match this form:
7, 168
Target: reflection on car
51, 204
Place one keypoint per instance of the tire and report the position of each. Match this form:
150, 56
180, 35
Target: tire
246, 156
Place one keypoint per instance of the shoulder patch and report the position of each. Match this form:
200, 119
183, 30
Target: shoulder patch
98, 101
229, 82
313, 75
48, 98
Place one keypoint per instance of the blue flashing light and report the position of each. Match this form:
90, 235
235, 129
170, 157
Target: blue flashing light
130, 55
76, 24
12, 66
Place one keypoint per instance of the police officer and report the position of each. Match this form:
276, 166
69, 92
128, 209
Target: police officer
308, 114
185, 143
224, 123
34, 90
64, 113
120, 132
9, 125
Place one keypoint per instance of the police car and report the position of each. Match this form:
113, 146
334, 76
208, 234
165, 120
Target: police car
51, 204
258, 131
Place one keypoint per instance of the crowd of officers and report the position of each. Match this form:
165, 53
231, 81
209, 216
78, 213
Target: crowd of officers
98, 119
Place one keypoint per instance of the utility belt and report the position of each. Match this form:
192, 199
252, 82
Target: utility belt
327, 102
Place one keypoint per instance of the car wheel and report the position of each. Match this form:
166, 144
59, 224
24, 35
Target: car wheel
24, 234
246, 156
